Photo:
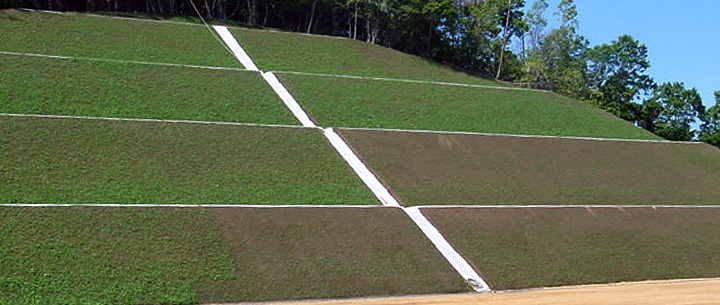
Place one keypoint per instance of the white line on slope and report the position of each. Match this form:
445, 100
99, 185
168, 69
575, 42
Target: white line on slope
360, 169
515, 135
457, 261
50, 116
370, 180
270, 78
108, 16
238, 51
291, 103
574, 206
142, 205
123, 61
416, 81
209, 205
288, 99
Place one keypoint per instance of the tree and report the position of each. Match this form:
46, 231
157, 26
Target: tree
671, 111
710, 129
536, 23
616, 76
558, 63
517, 26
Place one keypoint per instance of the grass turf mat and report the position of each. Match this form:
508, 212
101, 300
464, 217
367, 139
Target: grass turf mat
111, 38
87, 161
439, 169
299, 253
109, 255
285, 51
384, 104
66, 87
522, 248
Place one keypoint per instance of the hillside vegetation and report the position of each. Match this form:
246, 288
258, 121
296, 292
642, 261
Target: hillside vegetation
384, 104
452, 169
91, 88
87, 161
522, 248
90, 255
285, 51
110, 38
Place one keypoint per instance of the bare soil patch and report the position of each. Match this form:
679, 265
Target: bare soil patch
525, 248
301, 253
439, 169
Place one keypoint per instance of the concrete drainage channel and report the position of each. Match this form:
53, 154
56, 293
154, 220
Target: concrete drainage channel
371, 181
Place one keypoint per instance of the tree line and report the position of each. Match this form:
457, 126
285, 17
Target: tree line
505, 40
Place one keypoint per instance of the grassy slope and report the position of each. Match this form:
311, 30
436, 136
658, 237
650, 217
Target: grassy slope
53, 86
297, 253
82, 161
430, 169
110, 38
515, 248
287, 51
92, 255
368, 103
109, 255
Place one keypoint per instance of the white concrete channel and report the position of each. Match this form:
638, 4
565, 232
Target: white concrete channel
371, 181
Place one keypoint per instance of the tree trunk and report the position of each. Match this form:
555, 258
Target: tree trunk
429, 41
367, 29
354, 35
312, 16
267, 12
504, 41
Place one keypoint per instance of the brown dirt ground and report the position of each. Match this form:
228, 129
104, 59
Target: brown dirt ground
438, 169
552, 247
688, 292
304, 253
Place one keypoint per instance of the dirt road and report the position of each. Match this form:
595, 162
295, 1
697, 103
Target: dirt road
684, 292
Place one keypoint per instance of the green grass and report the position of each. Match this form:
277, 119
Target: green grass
382, 104
110, 255
523, 248
68, 87
453, 169
300, 253
86, 161
120, 255
272, 50
110, 38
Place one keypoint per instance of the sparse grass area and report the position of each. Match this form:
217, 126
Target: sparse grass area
95, 255
382, 104
523, 248
67, 87
286, 51
110, 255
450, 169
85, 161
111, 38
300, 253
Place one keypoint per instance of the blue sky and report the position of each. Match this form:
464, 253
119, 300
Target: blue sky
682, 37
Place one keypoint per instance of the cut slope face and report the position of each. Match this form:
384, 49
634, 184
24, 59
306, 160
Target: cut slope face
346, 102
217, 255
86, 161
432, 169
297, 253
522, 248
66, 87
284, 51
109, 255
111, 38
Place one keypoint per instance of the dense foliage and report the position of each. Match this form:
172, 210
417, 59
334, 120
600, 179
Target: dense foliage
471, 35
